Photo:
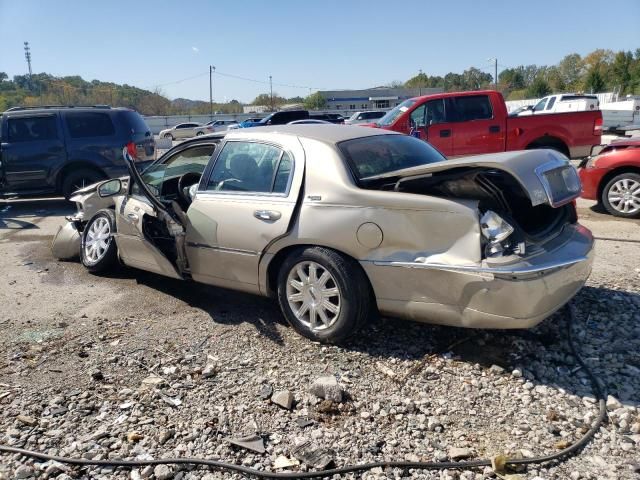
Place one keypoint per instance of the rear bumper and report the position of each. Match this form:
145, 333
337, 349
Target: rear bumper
519, 295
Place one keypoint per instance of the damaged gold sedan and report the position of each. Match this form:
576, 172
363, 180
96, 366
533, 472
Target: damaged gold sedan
339, 223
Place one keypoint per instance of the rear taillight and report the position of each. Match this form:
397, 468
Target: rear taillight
131, 150
597, 126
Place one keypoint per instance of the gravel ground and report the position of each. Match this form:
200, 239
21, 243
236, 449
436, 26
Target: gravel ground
138, 366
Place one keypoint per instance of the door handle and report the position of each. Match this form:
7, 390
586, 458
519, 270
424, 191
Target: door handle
267, 215
445, 133
133, 216
494, 129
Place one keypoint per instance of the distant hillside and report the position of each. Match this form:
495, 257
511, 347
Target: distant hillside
45, 89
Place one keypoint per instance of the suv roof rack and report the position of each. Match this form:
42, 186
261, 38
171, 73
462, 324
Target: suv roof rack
44, 107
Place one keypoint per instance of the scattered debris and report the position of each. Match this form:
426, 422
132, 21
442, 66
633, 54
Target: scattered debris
97, 375
133, 437
265, 392
304, 422
313, 455
327, 407
250, 442
456, 453
153, 380
283, 398
165, 435
162, 472
27, 420
327, 388
210, 370
386, 370
285, 462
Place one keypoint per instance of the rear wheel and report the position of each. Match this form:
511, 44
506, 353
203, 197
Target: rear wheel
199, 133
98, 250
77, 179
324, 295
621, 195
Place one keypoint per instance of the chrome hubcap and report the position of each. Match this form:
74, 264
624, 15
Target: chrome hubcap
624, 195
97, 240
313, 295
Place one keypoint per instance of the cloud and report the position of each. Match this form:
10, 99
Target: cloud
195, 49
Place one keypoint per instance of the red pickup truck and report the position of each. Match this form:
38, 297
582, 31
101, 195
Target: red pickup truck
469, 123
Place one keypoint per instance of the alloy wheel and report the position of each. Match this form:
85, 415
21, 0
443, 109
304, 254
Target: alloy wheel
624, 196
313, 295
97, 240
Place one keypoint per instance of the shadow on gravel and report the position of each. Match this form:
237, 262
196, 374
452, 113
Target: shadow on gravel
14, 213
606, 332
226, 307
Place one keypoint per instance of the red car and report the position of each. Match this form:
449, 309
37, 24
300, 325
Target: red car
613, 178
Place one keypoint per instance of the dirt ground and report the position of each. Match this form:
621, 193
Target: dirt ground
59, 325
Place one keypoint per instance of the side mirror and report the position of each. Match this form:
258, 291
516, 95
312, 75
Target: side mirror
110, 188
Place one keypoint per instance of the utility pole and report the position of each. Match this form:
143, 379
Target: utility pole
27, 55
495, 69
271, 89
211, 70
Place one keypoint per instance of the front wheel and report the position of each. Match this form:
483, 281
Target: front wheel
168, 136
98, 250
324, 295
199, 134
78, 179
621, 195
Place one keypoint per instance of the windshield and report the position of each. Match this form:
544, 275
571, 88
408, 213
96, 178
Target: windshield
394, 113
380, 154
190, 160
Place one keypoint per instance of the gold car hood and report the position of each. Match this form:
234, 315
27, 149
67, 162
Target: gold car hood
525, 166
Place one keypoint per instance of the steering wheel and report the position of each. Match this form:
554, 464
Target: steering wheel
184, 182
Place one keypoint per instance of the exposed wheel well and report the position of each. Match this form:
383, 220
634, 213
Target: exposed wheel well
75, 166
615, 173
274, 266
550, 142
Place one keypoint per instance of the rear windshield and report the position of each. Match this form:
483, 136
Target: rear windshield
380, 154
394, 113
135, 122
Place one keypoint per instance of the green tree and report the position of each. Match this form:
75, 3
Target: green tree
315, 101
511, 79
571, 68
539, 88
621, 71
420, 80
594, 83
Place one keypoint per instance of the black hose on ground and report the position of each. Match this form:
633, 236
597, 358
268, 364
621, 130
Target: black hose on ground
571, 450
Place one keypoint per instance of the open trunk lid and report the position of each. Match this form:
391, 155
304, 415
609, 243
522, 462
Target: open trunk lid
545, 175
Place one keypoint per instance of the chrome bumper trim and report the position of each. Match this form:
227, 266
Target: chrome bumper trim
507, 271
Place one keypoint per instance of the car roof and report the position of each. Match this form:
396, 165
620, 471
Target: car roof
327, 133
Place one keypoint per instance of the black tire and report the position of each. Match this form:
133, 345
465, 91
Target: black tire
199, 133
77, 179
107, 260
169, 136
615, 184
354, 298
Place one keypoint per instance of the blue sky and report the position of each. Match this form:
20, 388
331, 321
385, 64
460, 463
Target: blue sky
324, 44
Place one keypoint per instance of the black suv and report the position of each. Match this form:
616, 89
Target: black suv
56, 150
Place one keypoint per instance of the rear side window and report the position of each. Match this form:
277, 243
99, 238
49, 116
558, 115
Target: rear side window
89, 124
552, 101
377, 155
474, 107
251, 167
32, 129
135, 122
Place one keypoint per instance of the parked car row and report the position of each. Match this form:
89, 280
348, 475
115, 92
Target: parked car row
386, 225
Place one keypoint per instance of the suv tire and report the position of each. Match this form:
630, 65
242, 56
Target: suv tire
330, 289
77, 179
98, 250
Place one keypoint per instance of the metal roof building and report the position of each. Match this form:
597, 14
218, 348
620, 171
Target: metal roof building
372, 98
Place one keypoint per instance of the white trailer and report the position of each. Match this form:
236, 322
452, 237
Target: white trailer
621, 115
